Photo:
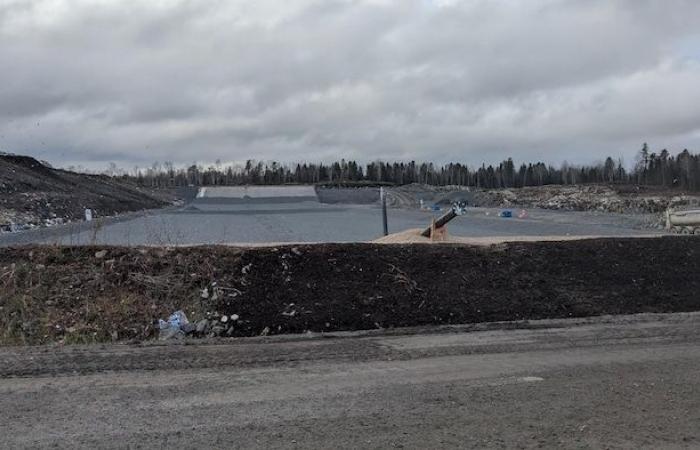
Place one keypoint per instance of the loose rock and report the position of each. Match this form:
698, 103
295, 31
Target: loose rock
202, 326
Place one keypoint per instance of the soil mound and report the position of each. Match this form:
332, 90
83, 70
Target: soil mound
88, 294
413, 236
32, 193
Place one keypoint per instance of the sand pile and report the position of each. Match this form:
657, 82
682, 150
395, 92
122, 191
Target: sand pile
413, 236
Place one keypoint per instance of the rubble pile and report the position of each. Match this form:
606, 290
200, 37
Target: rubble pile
591, 197
587, 198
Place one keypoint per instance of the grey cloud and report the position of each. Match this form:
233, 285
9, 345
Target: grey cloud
470, 80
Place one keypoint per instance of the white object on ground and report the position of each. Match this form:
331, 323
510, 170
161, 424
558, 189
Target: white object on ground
680, 218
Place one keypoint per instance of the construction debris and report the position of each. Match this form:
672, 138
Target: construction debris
176, 327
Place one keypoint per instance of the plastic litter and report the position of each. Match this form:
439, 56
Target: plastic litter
176, 326
176, 320
506, 213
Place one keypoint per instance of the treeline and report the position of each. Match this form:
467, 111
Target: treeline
653, 169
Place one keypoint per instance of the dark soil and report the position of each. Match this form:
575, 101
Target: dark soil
85, 294
40, 192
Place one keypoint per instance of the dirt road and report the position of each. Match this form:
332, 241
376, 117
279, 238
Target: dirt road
629, 381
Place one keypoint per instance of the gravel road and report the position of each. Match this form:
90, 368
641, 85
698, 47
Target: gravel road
623, 382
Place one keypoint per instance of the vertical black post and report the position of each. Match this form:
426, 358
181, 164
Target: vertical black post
382, 196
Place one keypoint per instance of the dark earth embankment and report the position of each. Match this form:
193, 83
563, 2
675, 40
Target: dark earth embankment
32, 193
84, 294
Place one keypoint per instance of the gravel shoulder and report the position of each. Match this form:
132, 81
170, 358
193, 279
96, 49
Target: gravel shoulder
614, 382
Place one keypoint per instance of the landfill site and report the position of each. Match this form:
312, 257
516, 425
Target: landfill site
261, 215
313, 317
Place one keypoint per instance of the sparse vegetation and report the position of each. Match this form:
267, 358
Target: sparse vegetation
98, 294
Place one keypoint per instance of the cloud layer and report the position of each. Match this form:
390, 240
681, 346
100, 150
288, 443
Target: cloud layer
88, 82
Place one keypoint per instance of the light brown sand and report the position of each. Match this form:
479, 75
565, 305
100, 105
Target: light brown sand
413, 236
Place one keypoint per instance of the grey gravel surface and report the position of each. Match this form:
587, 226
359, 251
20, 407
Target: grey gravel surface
622, 382
307, 221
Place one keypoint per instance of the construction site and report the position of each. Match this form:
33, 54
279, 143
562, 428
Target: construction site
317, 258
245, 302
349, 224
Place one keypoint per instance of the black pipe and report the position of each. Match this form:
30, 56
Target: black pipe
382, 194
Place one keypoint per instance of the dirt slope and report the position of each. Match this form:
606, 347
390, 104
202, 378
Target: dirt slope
80, 294
31, 193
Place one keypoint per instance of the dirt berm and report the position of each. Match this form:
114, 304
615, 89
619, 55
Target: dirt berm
34, 194
85, 294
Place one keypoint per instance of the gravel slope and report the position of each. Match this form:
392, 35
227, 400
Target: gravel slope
32, 193
613, 383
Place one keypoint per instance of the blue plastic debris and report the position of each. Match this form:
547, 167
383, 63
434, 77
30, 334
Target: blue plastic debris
176, 320
176, 326
506, 213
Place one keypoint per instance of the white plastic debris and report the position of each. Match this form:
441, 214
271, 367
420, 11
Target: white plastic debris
176, 326
176, 320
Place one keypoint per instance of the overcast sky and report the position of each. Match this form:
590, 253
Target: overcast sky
88, 82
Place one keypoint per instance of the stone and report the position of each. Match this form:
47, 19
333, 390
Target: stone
218, 330
170, 333
202, 326
188, 328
